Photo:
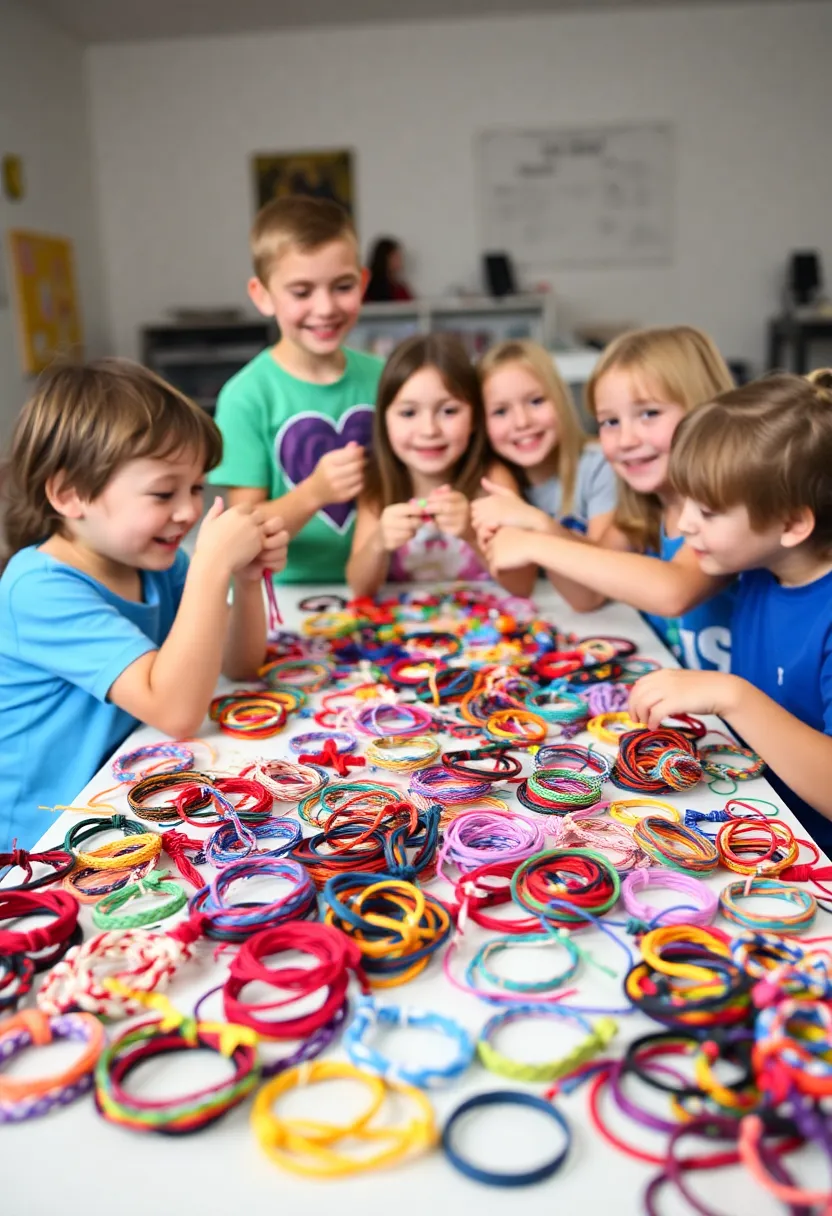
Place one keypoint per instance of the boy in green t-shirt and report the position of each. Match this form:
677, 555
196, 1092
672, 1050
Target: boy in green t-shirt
296, 420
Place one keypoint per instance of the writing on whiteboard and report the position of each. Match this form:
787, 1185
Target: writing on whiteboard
578, 197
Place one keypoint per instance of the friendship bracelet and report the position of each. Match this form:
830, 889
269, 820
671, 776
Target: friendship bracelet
56, 937
359, 798
148, 787
87, 884
699, 905
309, 675
656, 761
480, 967
609, 727
486, 887
105, 913
249, 715
557, 789
310, 1148
229, 844
235, 922
137, 838
176, 757
348, 847
573, 755
437, 784
500, 1178
598, 1038
60, 861
674, 845
369, 1016
557, 705
334, 955
396, 926
462, 763
477, 837
343, 742
174, 1033
803, 902
622, 811
419, 751
605, 698
520, 726
584, 830
714, 768
577, 877
791, 1048
287, 781
34, 1096
740, 837
383, 719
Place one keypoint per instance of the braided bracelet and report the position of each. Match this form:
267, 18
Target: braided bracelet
87, 884
803, 902
343, 743
148, 787
232, 842
462, 763
498, 1177
234, 923
656, 761
438, 785
45, 943
175, 757
557, 705
249, 715
561, 789
418, 752
598, 1038
105, 914
32, 1097
286, 780
699, 904
60, 861
480, 967
674, 845
173, 1033
755, 767
310, 1148
142, 845
573, 755
369, 1016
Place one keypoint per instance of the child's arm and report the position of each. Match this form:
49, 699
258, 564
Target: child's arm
376, 537
245, 643
799, 755
505, 508
337, 477
516, 581
171, 688
664, 588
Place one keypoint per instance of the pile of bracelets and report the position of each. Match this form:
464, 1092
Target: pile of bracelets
491, 763
286, 780
402, 754
235, 922
475, 838
756, 847
556, 791
578, 877
656, 762
437, 784
249, 715
697, 903
167, 757
232, 841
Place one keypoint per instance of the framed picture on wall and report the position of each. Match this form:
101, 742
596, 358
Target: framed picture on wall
316, 174
46, 299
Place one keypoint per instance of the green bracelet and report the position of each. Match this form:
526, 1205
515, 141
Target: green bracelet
599, 1035
103, 913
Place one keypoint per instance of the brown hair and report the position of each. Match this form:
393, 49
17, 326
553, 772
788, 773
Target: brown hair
83, 423
571, 437
680, 364
766, 446
306, 223
388, 479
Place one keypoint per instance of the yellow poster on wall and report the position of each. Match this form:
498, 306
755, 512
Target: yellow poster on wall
48, 317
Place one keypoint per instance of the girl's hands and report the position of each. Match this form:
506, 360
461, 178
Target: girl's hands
399, 523
451, 511
502, 508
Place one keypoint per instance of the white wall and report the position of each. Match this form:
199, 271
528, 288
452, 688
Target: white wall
44, 119
748, 88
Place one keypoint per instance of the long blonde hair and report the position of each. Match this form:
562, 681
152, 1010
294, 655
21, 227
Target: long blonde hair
680, 364
571, 436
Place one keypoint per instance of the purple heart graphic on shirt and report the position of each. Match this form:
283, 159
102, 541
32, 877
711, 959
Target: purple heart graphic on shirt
304, 439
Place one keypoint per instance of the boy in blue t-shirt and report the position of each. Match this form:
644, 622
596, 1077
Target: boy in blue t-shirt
296, 420
103, 622
755, 469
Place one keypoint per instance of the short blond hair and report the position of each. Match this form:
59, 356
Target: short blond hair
571, 437
766, 446
300, 222
83, 423
683, 366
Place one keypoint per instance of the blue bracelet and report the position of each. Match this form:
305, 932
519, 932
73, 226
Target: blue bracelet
227, 844
369, 1016
505, 1097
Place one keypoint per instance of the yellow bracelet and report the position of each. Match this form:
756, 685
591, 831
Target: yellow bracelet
651, 946
424, 750
132, 851
620, 810
306, 1146
601, 726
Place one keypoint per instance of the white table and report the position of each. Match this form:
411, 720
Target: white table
74, 1162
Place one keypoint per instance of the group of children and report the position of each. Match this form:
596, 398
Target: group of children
426, 469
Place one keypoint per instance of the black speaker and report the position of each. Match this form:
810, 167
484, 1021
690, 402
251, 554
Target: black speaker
805, 279
499, 274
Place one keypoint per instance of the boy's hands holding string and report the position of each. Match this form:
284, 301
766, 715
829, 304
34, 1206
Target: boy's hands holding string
243, 540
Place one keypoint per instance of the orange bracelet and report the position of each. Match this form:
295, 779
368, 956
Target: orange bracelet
532, 728
30, 1027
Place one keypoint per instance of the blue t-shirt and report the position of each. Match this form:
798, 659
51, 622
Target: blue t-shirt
64, 640
783, 646
700, 638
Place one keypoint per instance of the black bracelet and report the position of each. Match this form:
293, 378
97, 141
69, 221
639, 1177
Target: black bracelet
507, 765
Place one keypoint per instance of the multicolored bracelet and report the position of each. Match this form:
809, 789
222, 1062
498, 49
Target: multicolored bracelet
802, 902
32, 1097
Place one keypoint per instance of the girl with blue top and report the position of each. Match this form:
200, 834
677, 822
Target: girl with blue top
534, 428
645, 382
103, 622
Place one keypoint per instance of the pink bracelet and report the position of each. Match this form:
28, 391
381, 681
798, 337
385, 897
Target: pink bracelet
699, 900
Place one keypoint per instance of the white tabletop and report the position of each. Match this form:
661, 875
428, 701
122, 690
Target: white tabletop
75, 1162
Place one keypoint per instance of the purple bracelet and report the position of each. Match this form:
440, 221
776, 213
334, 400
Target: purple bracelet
704, 901
74, 1026
478, 837
629, 1108
381, 718
437, 784
344, 743
606, 698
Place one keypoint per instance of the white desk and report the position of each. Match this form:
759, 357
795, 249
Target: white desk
74, 1162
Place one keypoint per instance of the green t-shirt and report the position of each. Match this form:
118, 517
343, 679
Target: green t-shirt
275, 428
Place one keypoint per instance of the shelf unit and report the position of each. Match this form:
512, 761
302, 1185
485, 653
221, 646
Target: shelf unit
479, 320
198, 357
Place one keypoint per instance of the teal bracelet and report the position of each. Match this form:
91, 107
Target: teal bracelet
479, 964
104, 913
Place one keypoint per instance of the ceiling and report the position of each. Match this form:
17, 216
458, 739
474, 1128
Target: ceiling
126, 20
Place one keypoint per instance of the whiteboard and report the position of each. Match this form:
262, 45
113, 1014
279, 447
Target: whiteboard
587, 196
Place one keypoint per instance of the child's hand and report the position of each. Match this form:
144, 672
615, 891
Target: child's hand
451, 510
666, 693
399, 524
272, 555
230, 539
506, 550
339, 475
502, 508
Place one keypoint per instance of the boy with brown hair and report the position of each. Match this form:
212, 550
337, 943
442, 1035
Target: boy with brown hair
296, 420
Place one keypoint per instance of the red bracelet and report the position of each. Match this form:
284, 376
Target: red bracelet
56, 937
